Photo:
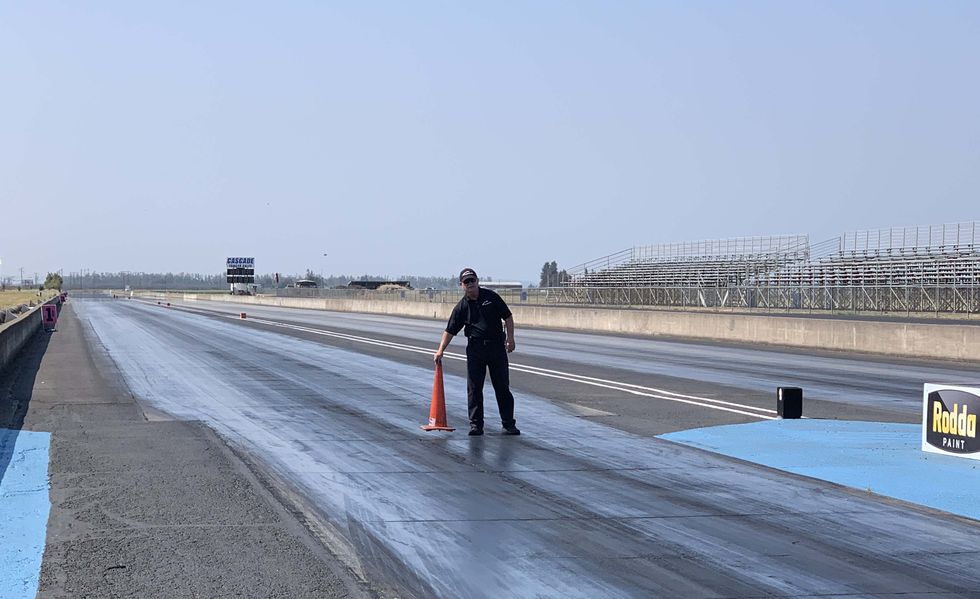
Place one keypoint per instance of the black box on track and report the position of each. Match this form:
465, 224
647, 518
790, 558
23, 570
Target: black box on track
789, 402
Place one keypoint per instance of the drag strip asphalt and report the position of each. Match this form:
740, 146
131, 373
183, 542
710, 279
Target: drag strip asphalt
837, 385
586, 503
704, 402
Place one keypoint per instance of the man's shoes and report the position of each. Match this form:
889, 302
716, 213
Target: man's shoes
511, 430
476, 431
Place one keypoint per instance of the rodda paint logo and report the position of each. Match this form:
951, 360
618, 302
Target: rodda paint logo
951, 421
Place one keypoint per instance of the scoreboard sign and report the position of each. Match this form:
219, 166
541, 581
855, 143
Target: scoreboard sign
240, 270
949, 420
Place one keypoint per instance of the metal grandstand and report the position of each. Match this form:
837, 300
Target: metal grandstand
932, 268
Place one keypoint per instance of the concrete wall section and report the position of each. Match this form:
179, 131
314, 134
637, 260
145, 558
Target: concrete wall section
943, 341
393, 308
16, 333
914, 340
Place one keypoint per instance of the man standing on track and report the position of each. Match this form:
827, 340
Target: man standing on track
479, 314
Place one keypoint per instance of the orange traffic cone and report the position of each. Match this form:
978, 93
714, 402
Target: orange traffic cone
437, 413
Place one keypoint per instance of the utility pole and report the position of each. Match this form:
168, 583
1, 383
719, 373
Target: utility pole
322, 280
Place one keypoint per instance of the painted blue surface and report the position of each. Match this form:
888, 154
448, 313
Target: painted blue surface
24, 508
882, 457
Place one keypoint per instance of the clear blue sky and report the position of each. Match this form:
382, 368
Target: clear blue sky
419, 137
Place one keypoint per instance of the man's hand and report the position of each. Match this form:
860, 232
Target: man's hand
443, 344
510, 344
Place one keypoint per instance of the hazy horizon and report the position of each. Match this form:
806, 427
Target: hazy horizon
419, 138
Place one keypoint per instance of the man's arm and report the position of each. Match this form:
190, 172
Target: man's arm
509, 324
443, 344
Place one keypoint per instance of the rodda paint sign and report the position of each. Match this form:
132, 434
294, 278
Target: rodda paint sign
949, 420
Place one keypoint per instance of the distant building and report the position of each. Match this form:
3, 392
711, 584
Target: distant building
378, 284
495, 285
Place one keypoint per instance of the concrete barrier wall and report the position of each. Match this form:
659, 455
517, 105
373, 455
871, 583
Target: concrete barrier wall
943, 341
393, 308
913, 340
15, 334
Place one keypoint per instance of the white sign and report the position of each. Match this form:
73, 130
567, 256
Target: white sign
241, 263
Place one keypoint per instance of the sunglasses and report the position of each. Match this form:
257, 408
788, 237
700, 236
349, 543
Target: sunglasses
468, 281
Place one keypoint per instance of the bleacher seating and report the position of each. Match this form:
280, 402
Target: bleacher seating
718, 263
934, 256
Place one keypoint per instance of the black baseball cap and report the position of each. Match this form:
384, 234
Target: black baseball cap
467, 272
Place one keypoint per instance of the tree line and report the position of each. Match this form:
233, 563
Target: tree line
184, 281
551, 276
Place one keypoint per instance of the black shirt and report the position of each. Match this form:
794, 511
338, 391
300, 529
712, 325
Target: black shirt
480, 318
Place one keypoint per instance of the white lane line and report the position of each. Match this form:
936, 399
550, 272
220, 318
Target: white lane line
583, 378
651, 392
587, 412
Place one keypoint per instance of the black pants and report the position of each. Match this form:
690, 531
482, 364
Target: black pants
481, 355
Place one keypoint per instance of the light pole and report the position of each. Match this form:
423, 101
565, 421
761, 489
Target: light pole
323, 282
